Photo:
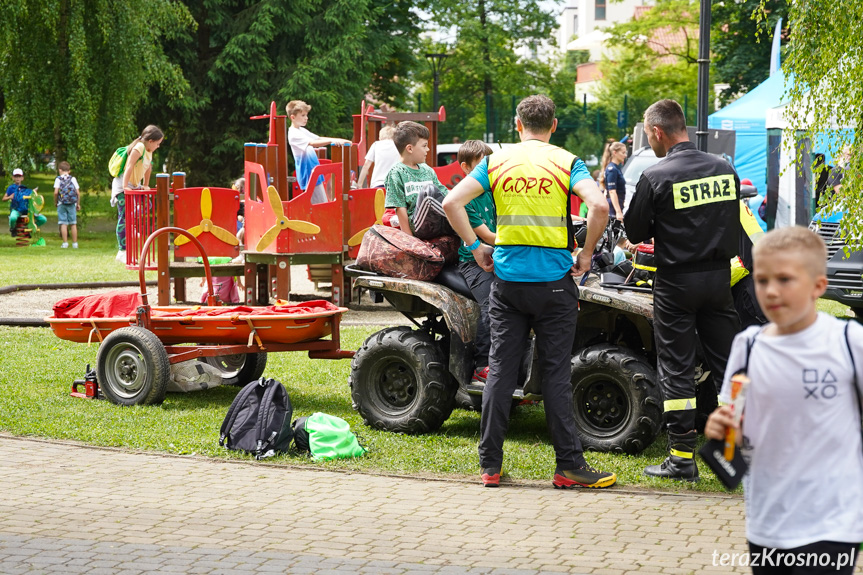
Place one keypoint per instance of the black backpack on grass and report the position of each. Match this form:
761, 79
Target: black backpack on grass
259, 420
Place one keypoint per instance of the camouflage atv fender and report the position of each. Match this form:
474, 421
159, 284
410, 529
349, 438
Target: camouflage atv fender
460, 314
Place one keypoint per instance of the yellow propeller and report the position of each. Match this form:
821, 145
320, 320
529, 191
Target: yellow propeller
282, 222
207, 224
380, 206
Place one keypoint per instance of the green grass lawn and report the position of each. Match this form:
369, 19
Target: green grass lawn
39, 369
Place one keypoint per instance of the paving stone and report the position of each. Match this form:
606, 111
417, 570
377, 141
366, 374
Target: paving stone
182, 519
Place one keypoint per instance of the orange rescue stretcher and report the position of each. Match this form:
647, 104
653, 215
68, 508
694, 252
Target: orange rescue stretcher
136, 351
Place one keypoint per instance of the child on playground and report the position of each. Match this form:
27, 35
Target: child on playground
384, 155
303, 143
801, 428
135, 175
481, 214
67, 198
19, 195
408, 177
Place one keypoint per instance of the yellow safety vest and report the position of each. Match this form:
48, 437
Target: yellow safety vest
751, 229
530, 184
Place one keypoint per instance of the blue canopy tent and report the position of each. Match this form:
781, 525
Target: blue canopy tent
746, 116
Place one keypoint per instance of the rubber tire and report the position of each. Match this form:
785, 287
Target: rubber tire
139, 351
632, 384
235, 373
400, 360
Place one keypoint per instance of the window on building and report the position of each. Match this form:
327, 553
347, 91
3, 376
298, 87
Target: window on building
599, 10
575, 24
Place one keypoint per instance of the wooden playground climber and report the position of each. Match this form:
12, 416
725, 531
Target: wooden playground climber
282, 225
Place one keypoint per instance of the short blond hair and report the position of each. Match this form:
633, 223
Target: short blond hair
798, 241
387, 132
473, 151
295, 106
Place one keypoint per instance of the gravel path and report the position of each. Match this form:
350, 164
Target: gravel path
37, 304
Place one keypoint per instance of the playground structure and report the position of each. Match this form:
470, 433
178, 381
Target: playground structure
282, 226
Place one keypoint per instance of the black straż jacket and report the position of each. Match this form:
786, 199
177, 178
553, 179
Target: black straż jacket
690, 204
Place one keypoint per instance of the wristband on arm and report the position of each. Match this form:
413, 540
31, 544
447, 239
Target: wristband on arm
476, 243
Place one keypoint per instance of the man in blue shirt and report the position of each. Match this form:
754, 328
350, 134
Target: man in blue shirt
532, 261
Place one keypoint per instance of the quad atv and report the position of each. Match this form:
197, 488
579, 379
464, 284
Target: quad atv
409, 380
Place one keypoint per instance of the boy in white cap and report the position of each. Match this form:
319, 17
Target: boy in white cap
19, 195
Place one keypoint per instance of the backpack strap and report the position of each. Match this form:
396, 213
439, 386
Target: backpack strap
264, 415
854, 381
228, 423
749, 344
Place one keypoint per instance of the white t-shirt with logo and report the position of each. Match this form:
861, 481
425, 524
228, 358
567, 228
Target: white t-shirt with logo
802, 434
385, 155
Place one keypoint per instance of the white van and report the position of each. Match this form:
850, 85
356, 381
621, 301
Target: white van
447, 153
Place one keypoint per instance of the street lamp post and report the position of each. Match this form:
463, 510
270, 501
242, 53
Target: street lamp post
437, 62
703, 75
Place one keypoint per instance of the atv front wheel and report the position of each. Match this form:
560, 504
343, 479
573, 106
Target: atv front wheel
616, 399
399, 382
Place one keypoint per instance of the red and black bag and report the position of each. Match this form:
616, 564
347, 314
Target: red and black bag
392, 252
448, 247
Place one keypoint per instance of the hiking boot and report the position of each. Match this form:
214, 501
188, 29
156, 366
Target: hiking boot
490, 477
680, 463
585, 476
64, 245
480, 376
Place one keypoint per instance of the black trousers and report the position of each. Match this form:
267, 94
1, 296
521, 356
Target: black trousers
479, 282
551, 309
684, 303
822, 557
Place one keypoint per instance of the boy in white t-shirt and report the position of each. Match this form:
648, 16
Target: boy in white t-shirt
384, 155
303, 144
801, 429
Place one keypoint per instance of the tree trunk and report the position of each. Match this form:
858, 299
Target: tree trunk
61, 64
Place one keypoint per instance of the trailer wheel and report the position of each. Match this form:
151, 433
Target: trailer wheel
132, 367
616, 399
399, 382
239, 368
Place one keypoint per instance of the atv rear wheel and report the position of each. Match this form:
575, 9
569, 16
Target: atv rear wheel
399, 382
616, 399
239, 368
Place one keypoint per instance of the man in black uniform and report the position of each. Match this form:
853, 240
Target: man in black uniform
689, 203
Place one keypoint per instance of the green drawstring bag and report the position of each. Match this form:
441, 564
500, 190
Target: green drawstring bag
326, 437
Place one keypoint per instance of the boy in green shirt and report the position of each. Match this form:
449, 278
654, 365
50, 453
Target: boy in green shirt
483, 220
409, 177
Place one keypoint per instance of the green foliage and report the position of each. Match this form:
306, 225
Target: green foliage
741, 42
243, 55
824, 57
646, 66
491, 65
73, 74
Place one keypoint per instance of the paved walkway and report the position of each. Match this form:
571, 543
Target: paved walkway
72, 509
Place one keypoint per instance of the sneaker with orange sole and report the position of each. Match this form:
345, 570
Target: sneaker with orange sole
585, 476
